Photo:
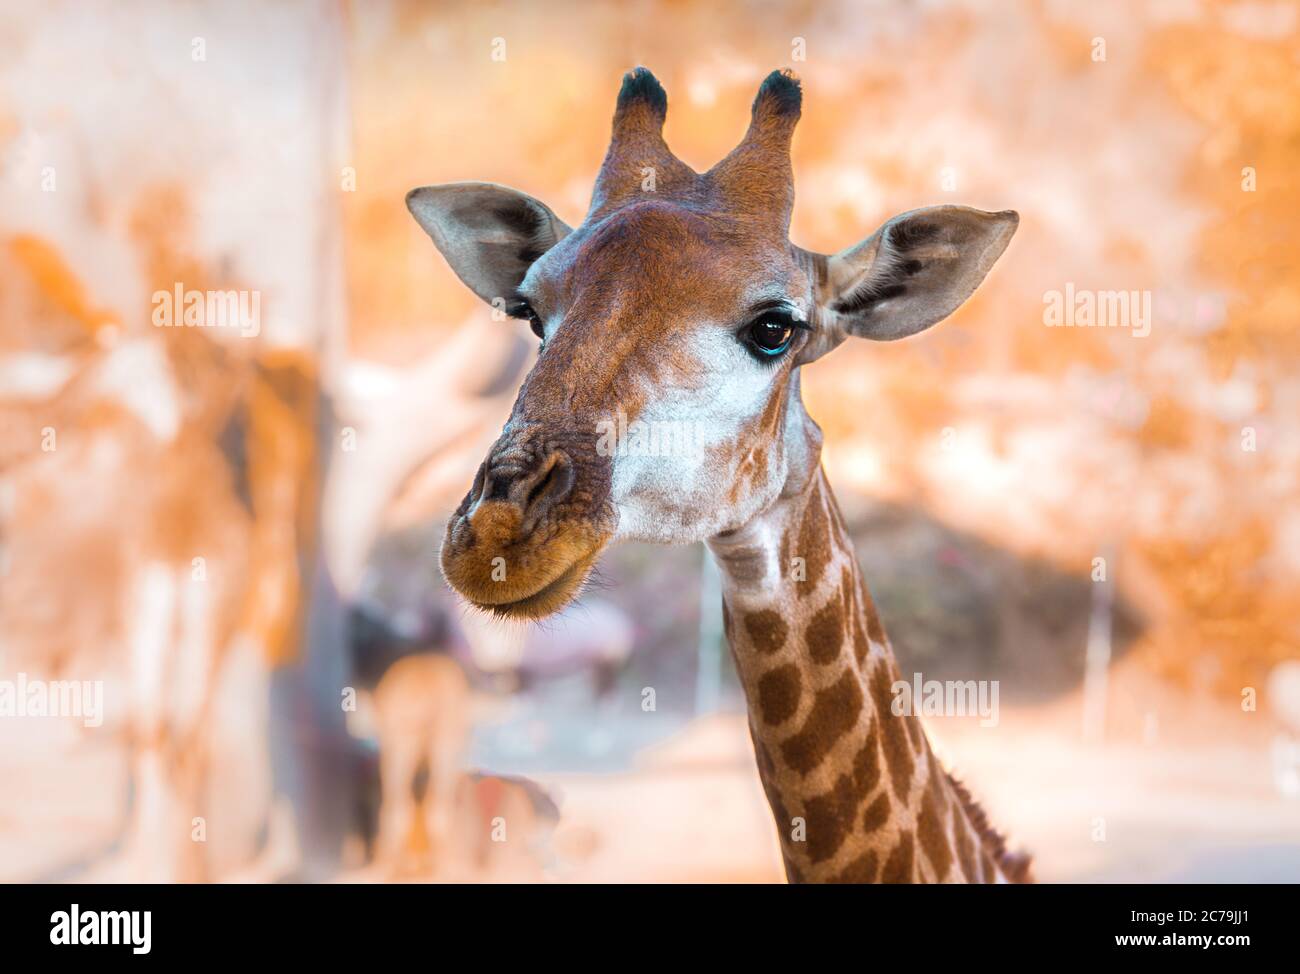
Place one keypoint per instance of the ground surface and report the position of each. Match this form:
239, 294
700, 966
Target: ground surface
1190, 798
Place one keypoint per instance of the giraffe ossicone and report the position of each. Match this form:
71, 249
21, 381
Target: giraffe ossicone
686, 303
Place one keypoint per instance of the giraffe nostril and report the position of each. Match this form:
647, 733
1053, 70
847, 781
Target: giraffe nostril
500, 486
552, 486
475, 494
539, 488
533, 489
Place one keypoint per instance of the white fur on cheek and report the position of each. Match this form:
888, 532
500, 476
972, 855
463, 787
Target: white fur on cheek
671, 485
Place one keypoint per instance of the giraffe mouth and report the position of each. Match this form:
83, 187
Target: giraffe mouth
547, 599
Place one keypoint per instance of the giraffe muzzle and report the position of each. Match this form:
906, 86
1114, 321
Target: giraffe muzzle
523, 541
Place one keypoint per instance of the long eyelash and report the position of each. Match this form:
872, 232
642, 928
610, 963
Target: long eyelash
781, 313
518, 306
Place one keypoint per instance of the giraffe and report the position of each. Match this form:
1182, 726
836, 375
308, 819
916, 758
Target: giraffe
437, 818
422, 720
202, 459
679, 302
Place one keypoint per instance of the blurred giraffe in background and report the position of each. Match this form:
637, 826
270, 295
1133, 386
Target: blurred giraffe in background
437, 819
170, 516
422, 724
174, 525
235, 515
680, 300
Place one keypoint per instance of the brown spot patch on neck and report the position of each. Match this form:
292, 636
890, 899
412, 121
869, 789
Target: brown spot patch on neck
766, 629
861, 644
860, 870
779, 692
898, 867
834, 711
898, 752
814, 545
824, 635
877, 813
831, 816
934, 841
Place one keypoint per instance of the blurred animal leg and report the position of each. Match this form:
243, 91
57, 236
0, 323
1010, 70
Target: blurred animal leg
399, 761
450, 721
189, 768
152, 627
440, 797
191, 689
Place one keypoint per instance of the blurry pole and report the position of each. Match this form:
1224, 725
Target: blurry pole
708, 675
312, 752
1097, 657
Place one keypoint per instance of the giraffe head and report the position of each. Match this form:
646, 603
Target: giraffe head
664, 404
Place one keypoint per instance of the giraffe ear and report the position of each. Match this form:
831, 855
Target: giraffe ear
489, 234
914, 271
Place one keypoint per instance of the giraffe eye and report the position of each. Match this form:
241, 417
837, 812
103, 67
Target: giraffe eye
522, 309
771, 335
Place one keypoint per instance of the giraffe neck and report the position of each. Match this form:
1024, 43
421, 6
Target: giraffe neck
856, 792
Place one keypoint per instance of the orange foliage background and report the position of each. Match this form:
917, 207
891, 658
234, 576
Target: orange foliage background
1127, 172
1148, 146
